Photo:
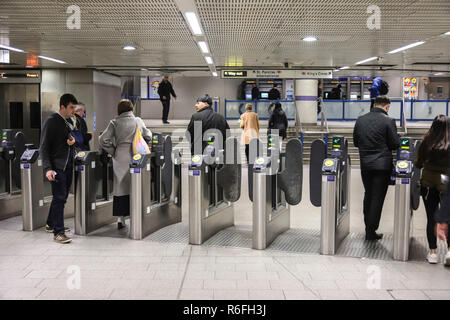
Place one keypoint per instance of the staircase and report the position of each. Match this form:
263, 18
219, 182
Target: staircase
177, 132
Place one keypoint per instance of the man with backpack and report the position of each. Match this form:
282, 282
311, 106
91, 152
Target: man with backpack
57, 152
379, 88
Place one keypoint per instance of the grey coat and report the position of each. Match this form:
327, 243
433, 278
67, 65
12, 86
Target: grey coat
117, 140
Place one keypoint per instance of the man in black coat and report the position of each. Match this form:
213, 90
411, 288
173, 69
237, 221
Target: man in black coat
375, 135
80, 110
255, 92
209, 120
274, 94
165, 89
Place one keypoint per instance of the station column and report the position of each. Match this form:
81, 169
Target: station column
306, 100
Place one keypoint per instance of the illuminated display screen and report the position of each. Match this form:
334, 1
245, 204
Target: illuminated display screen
336, 142
405, 144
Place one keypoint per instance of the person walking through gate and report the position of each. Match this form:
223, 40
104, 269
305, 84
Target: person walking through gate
433, 158
278, 120
375, 135
165, 89
80, 111
442, 216
209, 120
117, 140
57, 153
250, 127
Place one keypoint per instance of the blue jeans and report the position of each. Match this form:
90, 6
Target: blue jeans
60, 191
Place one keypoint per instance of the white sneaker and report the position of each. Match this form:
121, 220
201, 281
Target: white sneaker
433, 258
447, 259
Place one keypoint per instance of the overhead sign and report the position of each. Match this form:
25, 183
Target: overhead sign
280, 74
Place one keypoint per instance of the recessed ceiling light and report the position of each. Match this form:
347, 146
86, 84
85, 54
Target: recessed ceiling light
345, 67
51, 59
447, 33
209, 60
214, 74
309, 39
129, 48
4, 46
194, 23
157, 74
203, 46
336, 70
415, 44
366, 60
439, 73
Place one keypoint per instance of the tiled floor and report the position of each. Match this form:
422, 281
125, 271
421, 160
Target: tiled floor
32, 266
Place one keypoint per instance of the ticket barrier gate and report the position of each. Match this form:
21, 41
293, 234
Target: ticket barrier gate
407, 196
214, 185
332, 195
93, 201
155, 200
11, 148
277, 184
35, 205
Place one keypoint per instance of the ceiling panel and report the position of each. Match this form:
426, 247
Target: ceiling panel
263, 33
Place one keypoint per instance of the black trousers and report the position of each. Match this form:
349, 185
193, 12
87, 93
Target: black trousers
431, 199
121, 206
247, 146
166, 108
376, 184
60, 192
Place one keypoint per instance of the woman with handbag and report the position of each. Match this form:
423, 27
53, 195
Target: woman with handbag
117, 140
433, 158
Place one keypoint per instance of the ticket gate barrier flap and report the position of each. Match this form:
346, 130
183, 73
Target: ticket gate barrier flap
229, 174
34, 205
209, 210
255, 151
13, 143
268, 221
403, 210
90, 214
415, 179
291, 178
317, 157
149, 215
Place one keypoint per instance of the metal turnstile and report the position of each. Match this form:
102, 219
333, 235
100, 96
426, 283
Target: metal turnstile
93, 203
35, 205
11, 149
277, 183
155, 188
407, 196
213, 188
333, 192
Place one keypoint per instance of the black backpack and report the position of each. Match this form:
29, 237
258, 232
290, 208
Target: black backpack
384, 87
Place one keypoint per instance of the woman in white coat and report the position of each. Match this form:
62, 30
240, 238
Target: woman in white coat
117, 140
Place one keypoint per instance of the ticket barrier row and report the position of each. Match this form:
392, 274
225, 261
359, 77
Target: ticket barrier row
333, 194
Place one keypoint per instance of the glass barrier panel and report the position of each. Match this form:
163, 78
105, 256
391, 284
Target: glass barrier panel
395, 110
428, 110
355, 109
234, 109
265, 110
332, 109
407, 110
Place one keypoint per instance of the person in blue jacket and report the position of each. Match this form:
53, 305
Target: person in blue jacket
375, 90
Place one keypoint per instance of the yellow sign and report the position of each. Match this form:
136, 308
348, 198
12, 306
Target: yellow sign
81, 154
137, 157
402, 164
329, 163
259, 161
195, 158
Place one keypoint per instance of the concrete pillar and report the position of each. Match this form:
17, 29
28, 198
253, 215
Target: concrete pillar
306, 100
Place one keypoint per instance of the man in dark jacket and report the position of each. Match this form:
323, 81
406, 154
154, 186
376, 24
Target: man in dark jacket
209, 120
80, 110
165, 90
57, 154
274, 94
255, 92
375, 90
375, 135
